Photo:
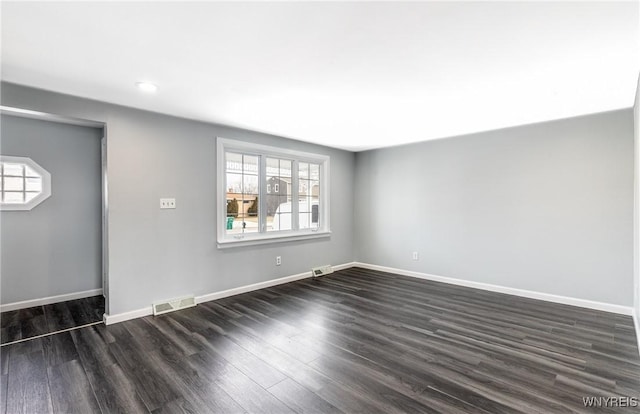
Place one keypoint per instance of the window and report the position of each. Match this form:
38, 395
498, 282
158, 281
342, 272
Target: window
23, 183
270, 194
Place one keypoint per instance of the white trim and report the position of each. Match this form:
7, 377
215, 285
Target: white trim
582, 303
27, 113
125, 316
48, 300
139, 313
277, 238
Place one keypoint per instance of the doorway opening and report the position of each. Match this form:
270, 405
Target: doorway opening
53, 224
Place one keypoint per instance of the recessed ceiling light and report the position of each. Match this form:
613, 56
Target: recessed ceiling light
146, 86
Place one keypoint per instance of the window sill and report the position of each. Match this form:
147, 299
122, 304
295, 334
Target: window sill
248, 241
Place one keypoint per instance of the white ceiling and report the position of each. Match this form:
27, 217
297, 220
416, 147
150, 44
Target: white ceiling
347, 75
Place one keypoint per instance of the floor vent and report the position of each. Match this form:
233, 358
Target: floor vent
174, 304
321, 271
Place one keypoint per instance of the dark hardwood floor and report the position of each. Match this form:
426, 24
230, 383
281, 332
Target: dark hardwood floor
41, 320
357, 341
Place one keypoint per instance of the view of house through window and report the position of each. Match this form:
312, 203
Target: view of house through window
242, 193
279, 192
266, 193
309, 178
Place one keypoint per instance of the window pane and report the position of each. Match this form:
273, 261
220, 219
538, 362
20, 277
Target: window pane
30, 172
13, 184
234, 162
303, 170
305, 219
250, 184
314, 188
14, 198
315, 215
280, 217
13, 169
305, 205
250, 164
278, 199
314, 171
285, 221
272, 201
30, 196
273, 166
34, 184
285, 213
242, 193
234, 183
303, 187
285, 168
249, 212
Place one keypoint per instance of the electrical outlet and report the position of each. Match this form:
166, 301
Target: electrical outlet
167, 203
415, 256
278, 260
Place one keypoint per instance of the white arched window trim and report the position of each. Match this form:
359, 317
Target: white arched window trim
39, 198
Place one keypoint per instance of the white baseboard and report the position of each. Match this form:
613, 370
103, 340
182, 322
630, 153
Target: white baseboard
583, 303
125, 316
121, 317
262, 285
566, 300
48, 300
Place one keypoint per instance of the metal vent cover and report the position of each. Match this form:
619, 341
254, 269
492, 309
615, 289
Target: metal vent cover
321, 270
174, 304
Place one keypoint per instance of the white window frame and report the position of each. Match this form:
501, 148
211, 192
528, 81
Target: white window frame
46, 184
262, 237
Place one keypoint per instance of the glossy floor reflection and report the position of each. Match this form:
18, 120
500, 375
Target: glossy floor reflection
357, 341
40, 320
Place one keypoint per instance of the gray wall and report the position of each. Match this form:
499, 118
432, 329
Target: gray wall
55, 248
545, 207
157, 254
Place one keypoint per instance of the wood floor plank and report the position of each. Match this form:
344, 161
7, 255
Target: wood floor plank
4, 381
261, 372
114, 391
10, 326
134, 360
81, 311
59, 317
92, 348
32, 322
252, 397
28, 386
59, 349
4, 361
70, 389
300, 399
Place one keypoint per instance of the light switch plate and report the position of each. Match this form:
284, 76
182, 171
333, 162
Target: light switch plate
167, 203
